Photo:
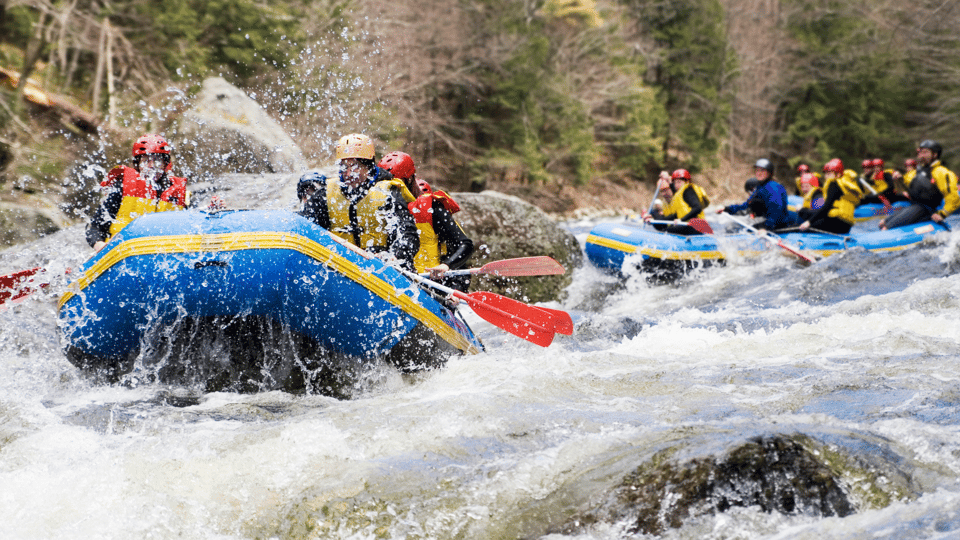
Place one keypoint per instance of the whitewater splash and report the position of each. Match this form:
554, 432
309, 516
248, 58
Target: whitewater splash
854, 359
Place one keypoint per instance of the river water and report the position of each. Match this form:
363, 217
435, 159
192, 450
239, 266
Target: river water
859, 353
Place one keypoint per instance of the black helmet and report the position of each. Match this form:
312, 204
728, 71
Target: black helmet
751, 185
933, 146
764, 163
309, 180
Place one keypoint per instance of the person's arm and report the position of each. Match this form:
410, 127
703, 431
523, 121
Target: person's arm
449, 232
402, 229
951, 197
98, 230
737, 208
690, 197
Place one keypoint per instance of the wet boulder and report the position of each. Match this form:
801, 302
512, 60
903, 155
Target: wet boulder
21, 223
225, 131
505, 227
775, 474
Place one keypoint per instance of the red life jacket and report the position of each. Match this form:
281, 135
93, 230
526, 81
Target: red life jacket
422, 209
140, 198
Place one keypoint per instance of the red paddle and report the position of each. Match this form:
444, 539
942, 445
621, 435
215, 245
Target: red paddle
554, 320
699, 224
17, 285
772, 238
513, 316
523, 266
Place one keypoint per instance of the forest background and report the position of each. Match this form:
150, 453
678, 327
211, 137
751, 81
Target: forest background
567, 103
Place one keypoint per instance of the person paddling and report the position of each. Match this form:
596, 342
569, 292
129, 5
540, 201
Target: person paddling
842, 194
365, 205
768, 200
130, 192
686, 201
928, 186
443, 244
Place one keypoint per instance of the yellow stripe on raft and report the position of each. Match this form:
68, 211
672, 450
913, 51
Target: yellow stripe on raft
205, 243
657, 253
695, 255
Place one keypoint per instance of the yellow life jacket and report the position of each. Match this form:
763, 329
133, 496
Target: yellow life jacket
430, 247
844, 207
679, 208
139, 198
368, 229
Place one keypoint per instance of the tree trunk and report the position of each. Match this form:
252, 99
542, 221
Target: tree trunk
98, 77
34, 49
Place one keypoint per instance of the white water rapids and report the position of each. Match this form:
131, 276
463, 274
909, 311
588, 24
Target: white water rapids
859, 352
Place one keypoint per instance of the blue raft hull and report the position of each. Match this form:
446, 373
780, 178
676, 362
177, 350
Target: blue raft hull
609, 244
267, 298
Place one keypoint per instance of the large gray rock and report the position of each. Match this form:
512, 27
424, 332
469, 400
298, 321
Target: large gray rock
505, 227
774, 473
225, 131
21, 223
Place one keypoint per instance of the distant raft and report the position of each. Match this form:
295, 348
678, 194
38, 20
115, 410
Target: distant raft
610, 244
864, 212
248, 301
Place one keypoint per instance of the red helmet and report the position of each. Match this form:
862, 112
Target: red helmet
681, 174
810, 178
424, 186
399, 164
834, 165
910, 162
867, 163
877, 162
803, 168
152, 144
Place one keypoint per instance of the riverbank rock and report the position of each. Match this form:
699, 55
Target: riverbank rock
20, 223
506, 227
225, 131
774, 473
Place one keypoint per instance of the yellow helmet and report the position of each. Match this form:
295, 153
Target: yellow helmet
355, 145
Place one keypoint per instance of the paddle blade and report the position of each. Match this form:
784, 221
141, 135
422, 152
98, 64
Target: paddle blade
801, 256
701, 225
511, 323
560, 320
524, 266
17, 285
553, 320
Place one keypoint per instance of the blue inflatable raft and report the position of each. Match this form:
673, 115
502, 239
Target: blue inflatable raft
609, 244
248, 301
864, 212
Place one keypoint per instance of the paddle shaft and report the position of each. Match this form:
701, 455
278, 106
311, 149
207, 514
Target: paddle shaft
867, 185
769, 238
653, 201
523, 266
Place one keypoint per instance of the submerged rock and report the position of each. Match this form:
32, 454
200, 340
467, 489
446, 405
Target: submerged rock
505, 227
774, 473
